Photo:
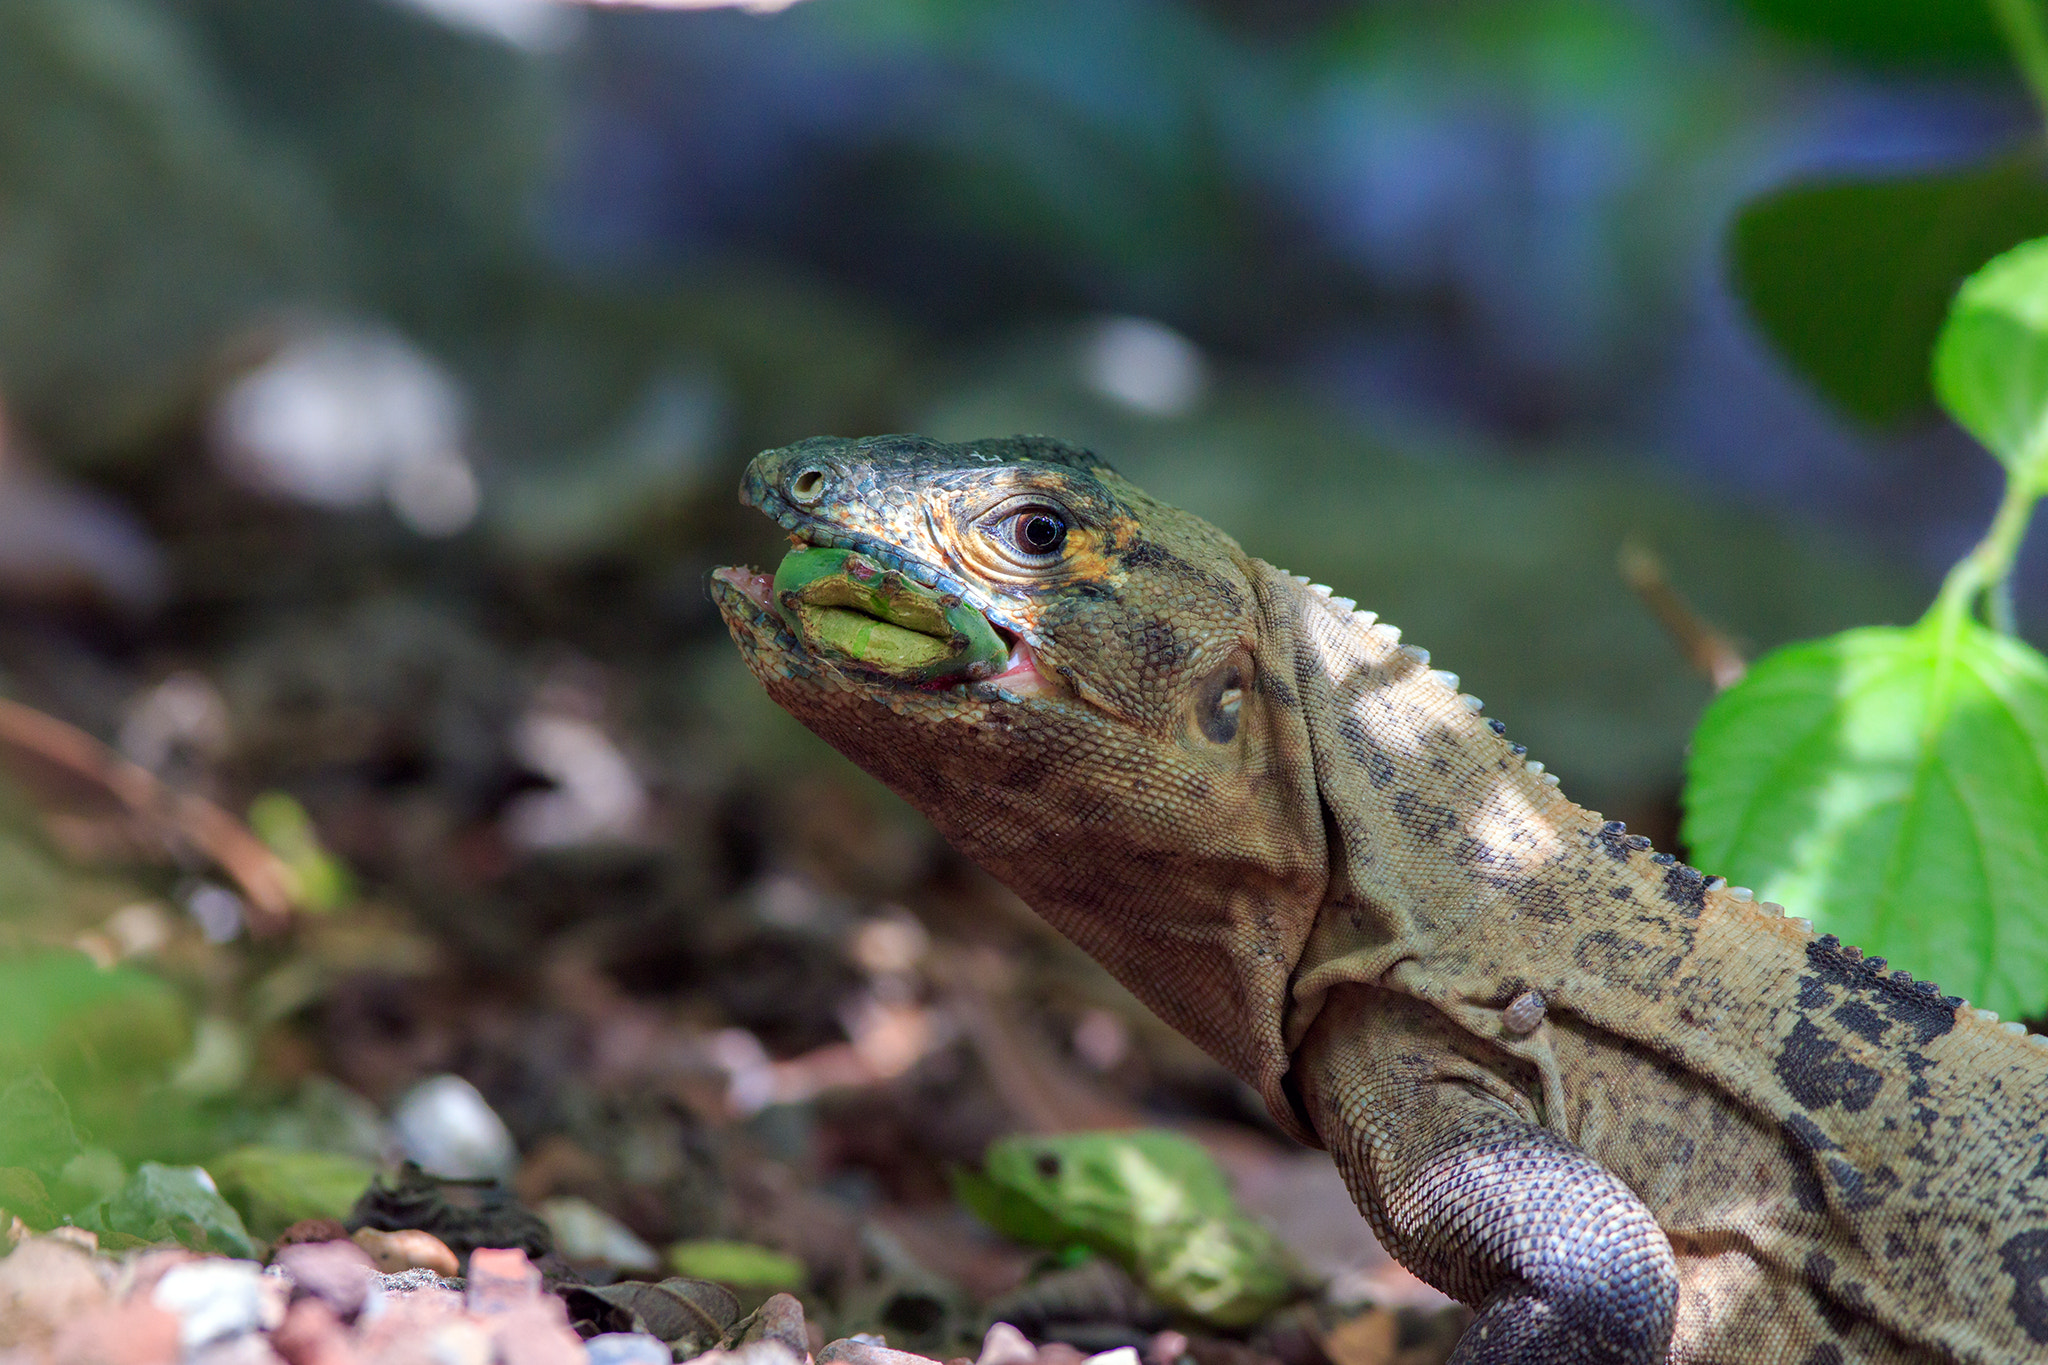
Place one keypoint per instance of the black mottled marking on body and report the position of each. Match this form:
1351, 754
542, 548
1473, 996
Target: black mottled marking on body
1627, 961
1422, 819
1817, 1073
1539, 900
1918, 1005
1470, 852
1499, 727
1379, 768
1804, 1141
1827, 1353
1686, 888
1620, 893
1820, 1273
1860, 1191
1145, 554
1861, 1020
1612, 839
2025, 1258
1274, 687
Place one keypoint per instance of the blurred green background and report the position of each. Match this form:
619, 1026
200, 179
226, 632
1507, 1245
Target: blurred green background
377, 376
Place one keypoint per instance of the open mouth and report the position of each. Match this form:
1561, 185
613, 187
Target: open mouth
847, 607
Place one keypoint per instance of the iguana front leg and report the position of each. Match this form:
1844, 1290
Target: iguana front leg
1444, 1153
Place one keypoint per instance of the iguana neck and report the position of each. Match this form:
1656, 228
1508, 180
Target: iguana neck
1447, 845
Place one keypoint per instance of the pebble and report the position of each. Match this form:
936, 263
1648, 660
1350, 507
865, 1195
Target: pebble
536, 1333
133, 1333
312, 1334
585, 1232
627, 1348
339, 1274
216, 1299
854, 1351
446, 1126
312, 1230
501, 1280
1005, 1345
242, 1350
410, 1249
781, 1319
45, 1283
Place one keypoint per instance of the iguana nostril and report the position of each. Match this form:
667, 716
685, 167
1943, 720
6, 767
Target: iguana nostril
808, 485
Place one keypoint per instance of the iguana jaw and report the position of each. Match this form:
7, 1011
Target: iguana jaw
1020, 678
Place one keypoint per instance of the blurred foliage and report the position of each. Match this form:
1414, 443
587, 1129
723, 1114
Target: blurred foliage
1893, 32
736, 1263
172, 1204
1852, 280
282, 823
1153, 1201
274, 1187
1991, 367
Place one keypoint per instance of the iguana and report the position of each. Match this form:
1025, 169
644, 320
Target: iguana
1625, 1111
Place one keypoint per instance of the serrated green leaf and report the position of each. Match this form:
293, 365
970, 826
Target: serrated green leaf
1895, 795
1889, 32
1991, 364
1851, 280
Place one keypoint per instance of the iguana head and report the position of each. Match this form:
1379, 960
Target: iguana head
1125, 767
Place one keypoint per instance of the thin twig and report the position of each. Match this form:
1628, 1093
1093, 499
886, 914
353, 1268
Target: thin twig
267, 884
1704, 647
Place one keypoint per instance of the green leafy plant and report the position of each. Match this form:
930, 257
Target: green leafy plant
1893, 782
1850, 277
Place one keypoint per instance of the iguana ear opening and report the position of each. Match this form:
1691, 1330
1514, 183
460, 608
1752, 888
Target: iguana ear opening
1219, 699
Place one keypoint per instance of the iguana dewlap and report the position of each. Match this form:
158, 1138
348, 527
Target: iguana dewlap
1625, 1112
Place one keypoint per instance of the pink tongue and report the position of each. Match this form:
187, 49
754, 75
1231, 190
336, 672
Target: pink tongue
759, 587
1023, 674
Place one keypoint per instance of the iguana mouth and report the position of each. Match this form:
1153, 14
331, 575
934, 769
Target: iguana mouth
860, 612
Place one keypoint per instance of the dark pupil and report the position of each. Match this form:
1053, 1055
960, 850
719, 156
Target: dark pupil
1042, 534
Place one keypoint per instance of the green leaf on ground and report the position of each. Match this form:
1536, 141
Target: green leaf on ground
1894, 796
1991, 364
1155, 1202
35, 1125
737, 1263
274, 1187
1889, 32
1851, 280
282, 823
173, 1203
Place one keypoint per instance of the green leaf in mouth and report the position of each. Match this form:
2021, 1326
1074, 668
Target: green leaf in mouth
844, 605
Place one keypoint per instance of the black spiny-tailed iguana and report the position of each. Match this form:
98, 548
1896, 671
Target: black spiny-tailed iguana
1623, 1110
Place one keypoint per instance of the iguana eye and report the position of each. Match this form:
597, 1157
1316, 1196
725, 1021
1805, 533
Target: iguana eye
1038, 532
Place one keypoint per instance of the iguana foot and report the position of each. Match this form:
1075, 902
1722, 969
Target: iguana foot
1566, 1265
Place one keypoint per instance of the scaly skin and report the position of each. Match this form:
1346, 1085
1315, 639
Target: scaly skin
1627, 1114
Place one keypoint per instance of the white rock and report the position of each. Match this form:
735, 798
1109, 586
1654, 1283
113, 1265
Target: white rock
1005, 1345
585, 1232
216, 1299
451, 1131
1122, 1355
627, 1348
